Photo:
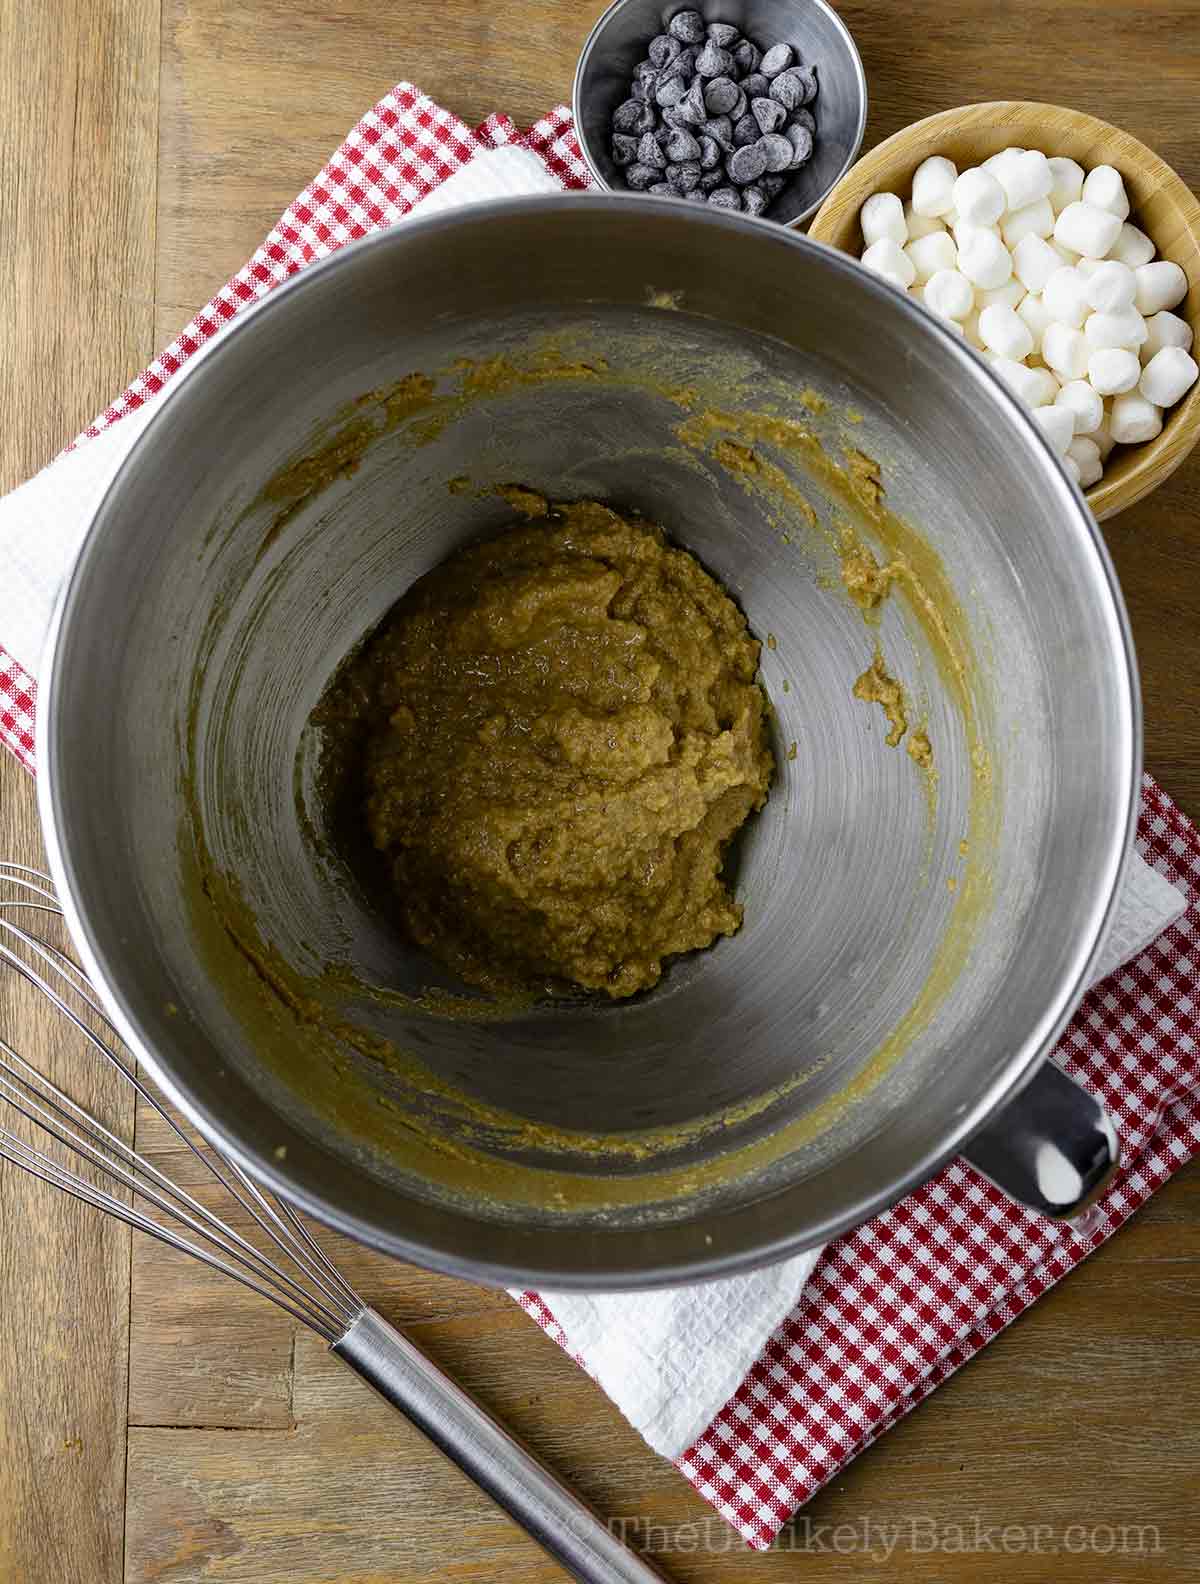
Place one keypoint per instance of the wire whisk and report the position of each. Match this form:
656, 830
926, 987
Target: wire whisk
87, 1160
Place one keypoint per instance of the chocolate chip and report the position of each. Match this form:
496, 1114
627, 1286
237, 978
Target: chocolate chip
687, 26
711, 179
777, 59
746, 164
803, 118
754, 200
682, 147
746, 57
720, 129
639, 177
670, 92
725, 198
624, 149
772, 186
800, 140
664, 48
691, 107
777, 151
795, 87
755, 86
649, 152
685, 176
745, 132
720, 95
625, 116
713, 61
769, 114
722, 33
662, 190
696, 196
710, 153
788, 90
680, 66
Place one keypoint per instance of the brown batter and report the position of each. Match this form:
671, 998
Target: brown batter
564, 732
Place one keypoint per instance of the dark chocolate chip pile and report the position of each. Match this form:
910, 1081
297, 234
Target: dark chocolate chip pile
713, 119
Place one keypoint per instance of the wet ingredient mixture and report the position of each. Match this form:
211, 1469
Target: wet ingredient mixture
564, 731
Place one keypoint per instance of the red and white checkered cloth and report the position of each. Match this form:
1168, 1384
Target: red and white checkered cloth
897, 1306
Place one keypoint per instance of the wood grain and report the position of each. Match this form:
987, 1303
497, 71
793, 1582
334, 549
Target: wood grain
78, 136
254, 1457
1163, 207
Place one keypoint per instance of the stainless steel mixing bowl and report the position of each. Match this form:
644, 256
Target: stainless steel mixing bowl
866, 1020
620, 38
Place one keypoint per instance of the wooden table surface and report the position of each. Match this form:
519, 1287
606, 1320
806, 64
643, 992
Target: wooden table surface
158, 1426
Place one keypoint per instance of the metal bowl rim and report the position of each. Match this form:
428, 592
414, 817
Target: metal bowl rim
100, 961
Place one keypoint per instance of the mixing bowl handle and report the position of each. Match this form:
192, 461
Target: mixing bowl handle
554, 1516
1053, 1148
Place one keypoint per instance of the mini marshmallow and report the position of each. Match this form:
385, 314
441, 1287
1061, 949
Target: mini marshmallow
1034, 261
971, 328
1004, 157
1072, 467
1035, 387
949, 293
1037, 317
937, 252
1057, 425
1086, 408
1066, 179
1165, 329
1006, 296
882, 218
919, 226
1104, 189
1113, 370
1134, 420
1035, 219
1086, 268
1041, 388
1025, 177
1064, 296
1065, 350
888, 259
1086, 456
984, 259
1111, 286
1002, 331
933, 186
1102, 440
1068, 255
979, 198
1124, 329
1159, 285
1168, 376
1132, 247
1085, 229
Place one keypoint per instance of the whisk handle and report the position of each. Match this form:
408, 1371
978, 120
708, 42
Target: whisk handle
573, 1535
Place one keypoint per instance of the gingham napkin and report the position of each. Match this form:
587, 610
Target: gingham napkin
763, 1386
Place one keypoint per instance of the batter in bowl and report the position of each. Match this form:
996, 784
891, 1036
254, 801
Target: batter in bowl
563, 731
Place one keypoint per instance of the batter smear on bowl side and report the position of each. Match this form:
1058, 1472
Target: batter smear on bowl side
563, 733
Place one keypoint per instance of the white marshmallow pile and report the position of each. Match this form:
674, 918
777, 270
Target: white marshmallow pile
1036, 262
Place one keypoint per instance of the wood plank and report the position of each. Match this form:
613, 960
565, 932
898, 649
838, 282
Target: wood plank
256, 97
78, 135
1025, 1437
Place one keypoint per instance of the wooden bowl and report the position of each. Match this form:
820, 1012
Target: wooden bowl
1162, 206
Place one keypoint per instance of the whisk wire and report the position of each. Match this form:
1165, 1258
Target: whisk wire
306, 1284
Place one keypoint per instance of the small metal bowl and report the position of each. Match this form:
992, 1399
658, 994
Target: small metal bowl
620, 39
